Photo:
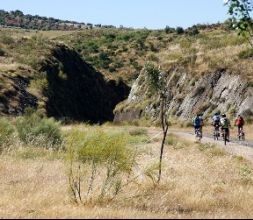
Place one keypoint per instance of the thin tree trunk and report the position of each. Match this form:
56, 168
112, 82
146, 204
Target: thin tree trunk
161, 154
165, 128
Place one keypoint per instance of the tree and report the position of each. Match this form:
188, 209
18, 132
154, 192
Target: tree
157, 84
168, 29
240, 11
193, 30
179, 30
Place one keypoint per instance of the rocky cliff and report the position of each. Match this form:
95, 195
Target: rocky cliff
64, 86
219, 90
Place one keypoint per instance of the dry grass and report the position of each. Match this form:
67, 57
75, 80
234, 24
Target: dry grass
198, 181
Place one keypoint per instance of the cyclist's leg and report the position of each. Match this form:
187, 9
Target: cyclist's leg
223, 132
218, 130
196, 130
228, 133
242, 132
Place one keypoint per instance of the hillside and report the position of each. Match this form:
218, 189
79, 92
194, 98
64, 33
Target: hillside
18, 19
123, 53
120, 55
36, 72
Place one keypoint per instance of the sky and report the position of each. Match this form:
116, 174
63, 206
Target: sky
151, 14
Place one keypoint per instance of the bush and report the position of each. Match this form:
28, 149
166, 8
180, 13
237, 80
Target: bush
6, 133
2, 52
39, 131
138, 132
5, 39
179, 30
193, 31
246, 54
169, 30
153, 58
106, 157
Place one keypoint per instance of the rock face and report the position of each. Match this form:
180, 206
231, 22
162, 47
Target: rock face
215, 91
15, 98
78, 92
72, 89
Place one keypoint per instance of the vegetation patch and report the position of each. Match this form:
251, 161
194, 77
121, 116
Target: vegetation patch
211, 150
246, 54
39, 131
101, 155
6, 133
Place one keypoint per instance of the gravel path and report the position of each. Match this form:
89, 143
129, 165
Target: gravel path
244, 149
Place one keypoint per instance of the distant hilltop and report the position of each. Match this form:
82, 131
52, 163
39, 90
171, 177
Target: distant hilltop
19, 20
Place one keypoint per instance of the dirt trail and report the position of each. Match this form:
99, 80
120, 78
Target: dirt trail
244, 149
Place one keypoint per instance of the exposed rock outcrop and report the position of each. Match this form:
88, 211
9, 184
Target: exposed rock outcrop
76, 91
66, 88
215, 91
14, 97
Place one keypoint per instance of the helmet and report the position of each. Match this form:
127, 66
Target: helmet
217, 113
224, 115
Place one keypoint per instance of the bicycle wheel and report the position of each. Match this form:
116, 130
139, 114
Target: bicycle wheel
216, 135
225, 138
243, 137
200, 136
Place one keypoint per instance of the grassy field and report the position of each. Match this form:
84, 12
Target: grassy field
199, 181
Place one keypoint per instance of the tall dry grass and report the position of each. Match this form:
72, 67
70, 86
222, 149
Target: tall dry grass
199, 181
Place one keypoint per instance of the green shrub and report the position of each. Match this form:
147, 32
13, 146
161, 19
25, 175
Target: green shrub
5, 39
193, 31
6, 133
246, 54
153, 58
169, 30
180, 30
2, 52
106, 157
39, 131
138, 132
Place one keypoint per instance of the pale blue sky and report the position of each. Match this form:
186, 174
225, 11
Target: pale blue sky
152, 14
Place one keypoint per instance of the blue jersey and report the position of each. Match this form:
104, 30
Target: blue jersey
216, 118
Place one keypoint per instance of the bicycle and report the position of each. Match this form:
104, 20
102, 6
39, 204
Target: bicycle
225, 135
241, 135
198, 134
216, 133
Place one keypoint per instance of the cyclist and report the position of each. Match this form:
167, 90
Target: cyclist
239, 122
198, 123
216, 122
225, 125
